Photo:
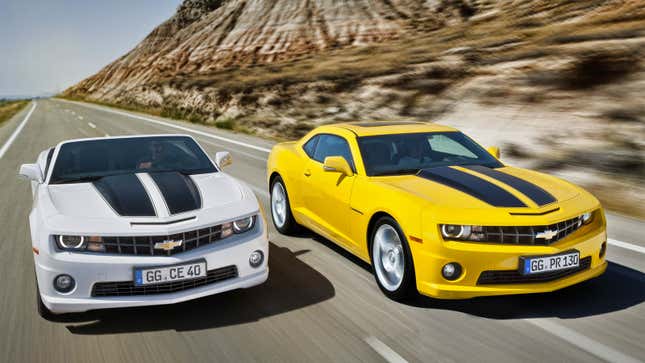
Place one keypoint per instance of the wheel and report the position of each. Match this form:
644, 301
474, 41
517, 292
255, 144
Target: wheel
391, 260
43, 311
280, 208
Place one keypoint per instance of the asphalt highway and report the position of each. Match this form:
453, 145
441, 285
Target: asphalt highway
320, 304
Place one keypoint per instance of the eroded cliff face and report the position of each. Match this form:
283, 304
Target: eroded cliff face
208, 35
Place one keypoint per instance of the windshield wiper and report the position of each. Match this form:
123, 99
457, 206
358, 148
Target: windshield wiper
397, 172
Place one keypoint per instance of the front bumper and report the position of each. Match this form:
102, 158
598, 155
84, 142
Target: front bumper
88, 269
476, 258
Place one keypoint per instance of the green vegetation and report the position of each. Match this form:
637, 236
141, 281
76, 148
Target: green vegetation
9, 108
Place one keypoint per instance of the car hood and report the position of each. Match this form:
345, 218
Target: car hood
485, 188
144, 197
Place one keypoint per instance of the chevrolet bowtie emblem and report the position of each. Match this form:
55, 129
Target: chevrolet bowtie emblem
547, 235
168, 245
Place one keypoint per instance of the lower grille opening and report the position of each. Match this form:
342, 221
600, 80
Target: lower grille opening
495, 277
128, 288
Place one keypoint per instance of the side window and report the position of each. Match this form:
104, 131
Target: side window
310, 146
331, 145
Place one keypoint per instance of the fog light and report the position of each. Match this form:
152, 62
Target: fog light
64, 283
451, 271
256, 258
603, 249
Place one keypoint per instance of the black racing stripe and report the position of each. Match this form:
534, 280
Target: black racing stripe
535, 193
179, 191
126, 195
470, 184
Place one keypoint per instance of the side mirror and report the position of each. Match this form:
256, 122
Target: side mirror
337, 164
494, 150
31, 172
223, 158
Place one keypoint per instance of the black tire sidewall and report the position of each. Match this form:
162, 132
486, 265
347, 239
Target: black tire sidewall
408, 287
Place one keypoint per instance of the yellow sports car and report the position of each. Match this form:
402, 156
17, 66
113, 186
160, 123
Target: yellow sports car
434, 212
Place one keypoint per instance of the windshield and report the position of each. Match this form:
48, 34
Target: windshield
91, 160
408, 153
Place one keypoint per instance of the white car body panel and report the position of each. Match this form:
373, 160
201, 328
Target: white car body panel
80, 209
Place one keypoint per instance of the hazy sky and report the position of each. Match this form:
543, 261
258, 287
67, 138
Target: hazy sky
48, 45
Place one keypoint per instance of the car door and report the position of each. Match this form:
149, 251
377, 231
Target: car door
327, 194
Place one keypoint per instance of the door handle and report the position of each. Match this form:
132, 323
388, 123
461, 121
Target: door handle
307, 172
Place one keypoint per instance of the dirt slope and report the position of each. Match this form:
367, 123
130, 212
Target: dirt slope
558, 84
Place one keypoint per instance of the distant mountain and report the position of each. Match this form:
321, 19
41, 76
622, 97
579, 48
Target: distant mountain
208, 35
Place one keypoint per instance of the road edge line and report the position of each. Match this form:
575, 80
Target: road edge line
625, 245
17, 131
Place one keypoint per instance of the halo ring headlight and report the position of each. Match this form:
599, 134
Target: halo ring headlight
71, 242
455, 231
244, 224
586, 218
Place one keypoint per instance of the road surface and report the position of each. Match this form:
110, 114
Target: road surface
319, 304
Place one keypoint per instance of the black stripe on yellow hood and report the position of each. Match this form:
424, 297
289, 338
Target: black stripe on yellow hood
535, 193
472, 185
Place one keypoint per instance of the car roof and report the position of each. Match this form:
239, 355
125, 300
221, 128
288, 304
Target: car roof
373, 128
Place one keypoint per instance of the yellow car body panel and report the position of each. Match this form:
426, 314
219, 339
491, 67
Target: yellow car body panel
341, 207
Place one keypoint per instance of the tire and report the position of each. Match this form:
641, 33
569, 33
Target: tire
43, 311
392, 263
281, 208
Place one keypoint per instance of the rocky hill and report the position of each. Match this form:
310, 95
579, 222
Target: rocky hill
558, 84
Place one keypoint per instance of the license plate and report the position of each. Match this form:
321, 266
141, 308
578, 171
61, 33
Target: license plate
161, 274
539, 264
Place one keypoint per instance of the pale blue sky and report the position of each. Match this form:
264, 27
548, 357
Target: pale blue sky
48, 45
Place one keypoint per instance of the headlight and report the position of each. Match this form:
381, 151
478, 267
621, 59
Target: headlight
80, 243
462, 232
586, 218
71, 242
244, 224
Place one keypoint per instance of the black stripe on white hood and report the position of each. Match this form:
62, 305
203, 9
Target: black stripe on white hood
178, 190
126, 195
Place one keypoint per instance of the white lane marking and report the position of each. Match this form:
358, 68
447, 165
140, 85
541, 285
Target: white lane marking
587, 344
17, 131
91, 125
625, 245
386, 352
168, 124
80, 117
107, 135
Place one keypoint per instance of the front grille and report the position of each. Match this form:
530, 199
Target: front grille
528, 235
515, 277
144, 245
128, 288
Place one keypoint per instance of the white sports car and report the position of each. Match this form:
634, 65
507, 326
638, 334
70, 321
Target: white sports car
142, 220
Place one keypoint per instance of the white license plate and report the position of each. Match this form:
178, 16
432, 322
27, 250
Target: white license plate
161, 274
536, 265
